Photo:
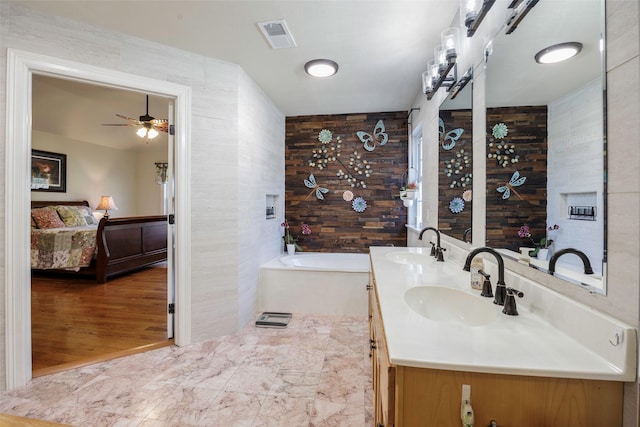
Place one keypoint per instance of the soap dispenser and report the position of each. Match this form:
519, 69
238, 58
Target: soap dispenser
477, 264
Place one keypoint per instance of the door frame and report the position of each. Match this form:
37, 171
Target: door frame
21, 66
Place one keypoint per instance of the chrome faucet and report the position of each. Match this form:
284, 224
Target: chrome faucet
501, 287
436, 251
582, 255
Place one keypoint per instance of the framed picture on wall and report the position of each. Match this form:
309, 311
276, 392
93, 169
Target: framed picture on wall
48, 171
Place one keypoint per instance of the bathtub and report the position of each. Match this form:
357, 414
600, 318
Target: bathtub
313, 282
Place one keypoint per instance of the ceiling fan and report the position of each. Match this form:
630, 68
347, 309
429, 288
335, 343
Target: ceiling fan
149, 125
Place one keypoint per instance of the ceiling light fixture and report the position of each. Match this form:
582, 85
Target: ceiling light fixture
146, 131
321, 68
558, 53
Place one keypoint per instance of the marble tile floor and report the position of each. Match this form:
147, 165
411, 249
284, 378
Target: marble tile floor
316, 372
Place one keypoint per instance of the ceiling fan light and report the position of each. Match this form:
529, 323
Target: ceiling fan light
558, 53
321, 68
142, 132
152, 133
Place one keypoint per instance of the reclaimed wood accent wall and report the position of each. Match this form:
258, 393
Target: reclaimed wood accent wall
451, 184
335, 225
527, 203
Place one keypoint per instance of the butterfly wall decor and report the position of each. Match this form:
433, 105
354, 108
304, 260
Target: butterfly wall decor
379, 137
448, 139
311, 183
515, 181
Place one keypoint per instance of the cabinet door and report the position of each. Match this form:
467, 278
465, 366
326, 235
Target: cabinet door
385, 373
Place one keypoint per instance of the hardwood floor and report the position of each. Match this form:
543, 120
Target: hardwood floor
76, 321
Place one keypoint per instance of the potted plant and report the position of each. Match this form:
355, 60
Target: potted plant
541, 248
409, 193
292, 241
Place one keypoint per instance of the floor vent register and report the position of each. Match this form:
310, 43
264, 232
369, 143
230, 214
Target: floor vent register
270, 319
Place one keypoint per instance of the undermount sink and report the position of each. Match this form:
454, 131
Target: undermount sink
443, 304
410, 258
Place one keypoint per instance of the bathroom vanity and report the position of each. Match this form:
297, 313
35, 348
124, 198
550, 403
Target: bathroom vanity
431, 334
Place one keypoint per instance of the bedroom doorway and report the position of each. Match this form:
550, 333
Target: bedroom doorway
21, 67
104, 156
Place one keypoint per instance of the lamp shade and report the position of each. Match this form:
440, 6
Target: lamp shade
107, 203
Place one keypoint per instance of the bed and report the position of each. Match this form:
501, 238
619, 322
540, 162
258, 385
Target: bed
66, 238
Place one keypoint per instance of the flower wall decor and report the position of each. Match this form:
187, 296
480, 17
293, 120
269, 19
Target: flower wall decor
455, 168
359, 204
329, 152
499, 130
325, 136
456, 205
503, 152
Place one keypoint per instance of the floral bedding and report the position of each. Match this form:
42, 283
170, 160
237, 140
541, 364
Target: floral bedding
68, 248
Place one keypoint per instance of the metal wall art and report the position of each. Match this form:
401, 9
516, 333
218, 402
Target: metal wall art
311, 183
515, 181
458, 168
456, 205
448, 139
502, 151
379, 137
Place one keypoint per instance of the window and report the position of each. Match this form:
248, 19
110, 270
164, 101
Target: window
414, 212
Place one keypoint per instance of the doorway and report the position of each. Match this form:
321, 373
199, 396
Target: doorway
75, 321
21, 68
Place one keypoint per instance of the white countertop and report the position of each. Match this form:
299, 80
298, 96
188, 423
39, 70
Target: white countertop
519, 345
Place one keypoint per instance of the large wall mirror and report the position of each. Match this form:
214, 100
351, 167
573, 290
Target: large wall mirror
546, 139
455, 161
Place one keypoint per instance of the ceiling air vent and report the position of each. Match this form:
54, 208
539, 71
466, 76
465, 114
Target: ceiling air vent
277, 34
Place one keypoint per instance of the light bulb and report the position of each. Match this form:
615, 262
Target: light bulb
142, 132
152, 133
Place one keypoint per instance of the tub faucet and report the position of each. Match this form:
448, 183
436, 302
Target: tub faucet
466, 237
582, 255
436, 250
501, 287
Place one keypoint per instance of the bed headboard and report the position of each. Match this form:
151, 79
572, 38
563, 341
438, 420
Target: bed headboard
42, 204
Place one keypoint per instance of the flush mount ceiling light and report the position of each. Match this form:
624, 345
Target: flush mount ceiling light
558, 53
321, 68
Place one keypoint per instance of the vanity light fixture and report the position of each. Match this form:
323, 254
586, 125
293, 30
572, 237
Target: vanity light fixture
457, 88
520, 10
558, 53
472, 12
442, 70
321, 68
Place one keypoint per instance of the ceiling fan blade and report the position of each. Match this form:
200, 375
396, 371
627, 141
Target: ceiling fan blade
163, 127
129, 118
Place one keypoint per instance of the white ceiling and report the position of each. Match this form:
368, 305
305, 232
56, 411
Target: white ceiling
382, 47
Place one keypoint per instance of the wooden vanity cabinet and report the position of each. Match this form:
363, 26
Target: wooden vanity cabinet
406, 396
383, 373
